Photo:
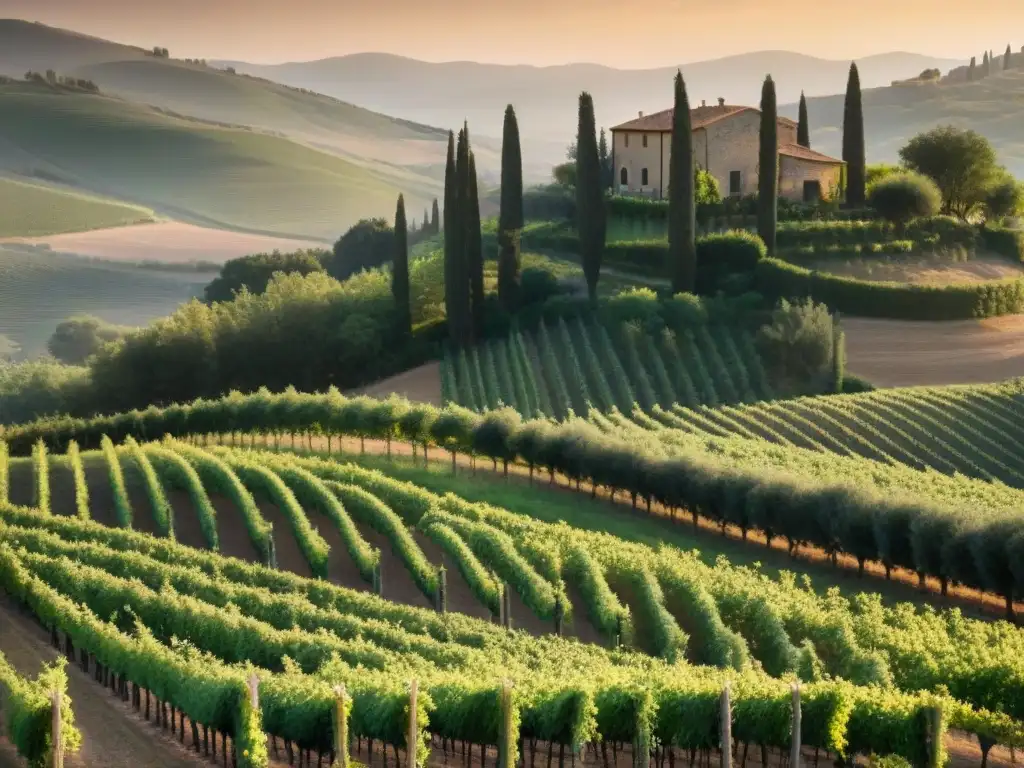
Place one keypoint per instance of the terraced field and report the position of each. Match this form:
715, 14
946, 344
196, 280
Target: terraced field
34, 209
572, 366
362, 531
971, 430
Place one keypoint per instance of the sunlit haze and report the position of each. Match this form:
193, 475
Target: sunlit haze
627, 34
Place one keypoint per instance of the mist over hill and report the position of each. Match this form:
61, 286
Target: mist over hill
546, 97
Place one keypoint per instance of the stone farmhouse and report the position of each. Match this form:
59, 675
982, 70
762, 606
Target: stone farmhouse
725, 143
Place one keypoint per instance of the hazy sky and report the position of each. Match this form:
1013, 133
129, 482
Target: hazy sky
625, 33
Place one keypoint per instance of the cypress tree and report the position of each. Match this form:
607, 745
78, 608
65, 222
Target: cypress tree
1006, 58
510, 217
400, 272
985, 66
972, 72
462, 304
803, 128
591, 219
435, 219
768, 167
452, 254
853, 140
474, 250
682, 221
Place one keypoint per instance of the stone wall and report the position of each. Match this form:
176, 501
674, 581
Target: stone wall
793, 172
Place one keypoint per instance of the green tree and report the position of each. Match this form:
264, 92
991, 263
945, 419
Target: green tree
435, 218
961, 162
253, 272
853, 140
900, 197
564, 174
368, 244
803, 130
682, 210
474, 250
1004, 197
768, 167
1006, 57
400, 272
78, 338
591, 219
510, 216
972, 70
986, 67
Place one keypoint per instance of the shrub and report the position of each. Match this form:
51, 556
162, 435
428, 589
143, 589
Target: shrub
367, 244
1005, 242
719, 256
79, 338
798, 341
900, 197
1004, 198
254, 272
901, 301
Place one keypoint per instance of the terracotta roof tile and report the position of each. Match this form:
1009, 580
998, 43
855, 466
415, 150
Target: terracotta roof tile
699, 118
803, 153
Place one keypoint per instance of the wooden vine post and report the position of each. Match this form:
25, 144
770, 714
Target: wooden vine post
501, 603
442, 590
56, 737
340, 727
934, 736
508, 739
506, 606
412, 739
726, 728
794, 753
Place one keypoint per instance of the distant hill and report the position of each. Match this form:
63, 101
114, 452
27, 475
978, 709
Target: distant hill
192, 170
210, 93
546, 97
993, 106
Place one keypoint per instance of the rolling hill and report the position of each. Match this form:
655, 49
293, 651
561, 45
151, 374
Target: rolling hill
194, 171
32, 209
545, 97
993, 106
211, 93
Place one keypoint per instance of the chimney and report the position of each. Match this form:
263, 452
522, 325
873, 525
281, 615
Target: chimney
641, 114
721, 101
703, 102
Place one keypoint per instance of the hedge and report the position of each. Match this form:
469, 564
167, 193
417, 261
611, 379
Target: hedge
901, 301
1005, 242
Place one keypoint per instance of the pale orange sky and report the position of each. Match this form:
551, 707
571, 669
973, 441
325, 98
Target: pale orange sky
630, 34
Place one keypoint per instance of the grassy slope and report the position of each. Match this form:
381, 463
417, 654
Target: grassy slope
211, 93
994, 107
34, 209
39, 289
195, 171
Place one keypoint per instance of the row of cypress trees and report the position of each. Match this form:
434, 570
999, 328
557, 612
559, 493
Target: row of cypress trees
768, 156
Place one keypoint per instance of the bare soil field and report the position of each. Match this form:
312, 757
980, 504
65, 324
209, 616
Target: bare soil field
421, 385
922, 269
896, 353
170, 242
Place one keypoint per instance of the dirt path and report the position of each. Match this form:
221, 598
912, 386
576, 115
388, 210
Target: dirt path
581, 627
110, 737
231, 530
420, 385
101, 495
289, 554
893, 353
186, 519
460, 597
62, 489
142, 509
168, 242
397, 583
341, 568
22, 477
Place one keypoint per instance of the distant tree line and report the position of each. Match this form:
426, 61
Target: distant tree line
51, 78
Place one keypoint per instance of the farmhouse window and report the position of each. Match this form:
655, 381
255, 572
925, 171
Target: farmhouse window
624, 177
627, 139
735, 185
645, 141
643, 177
